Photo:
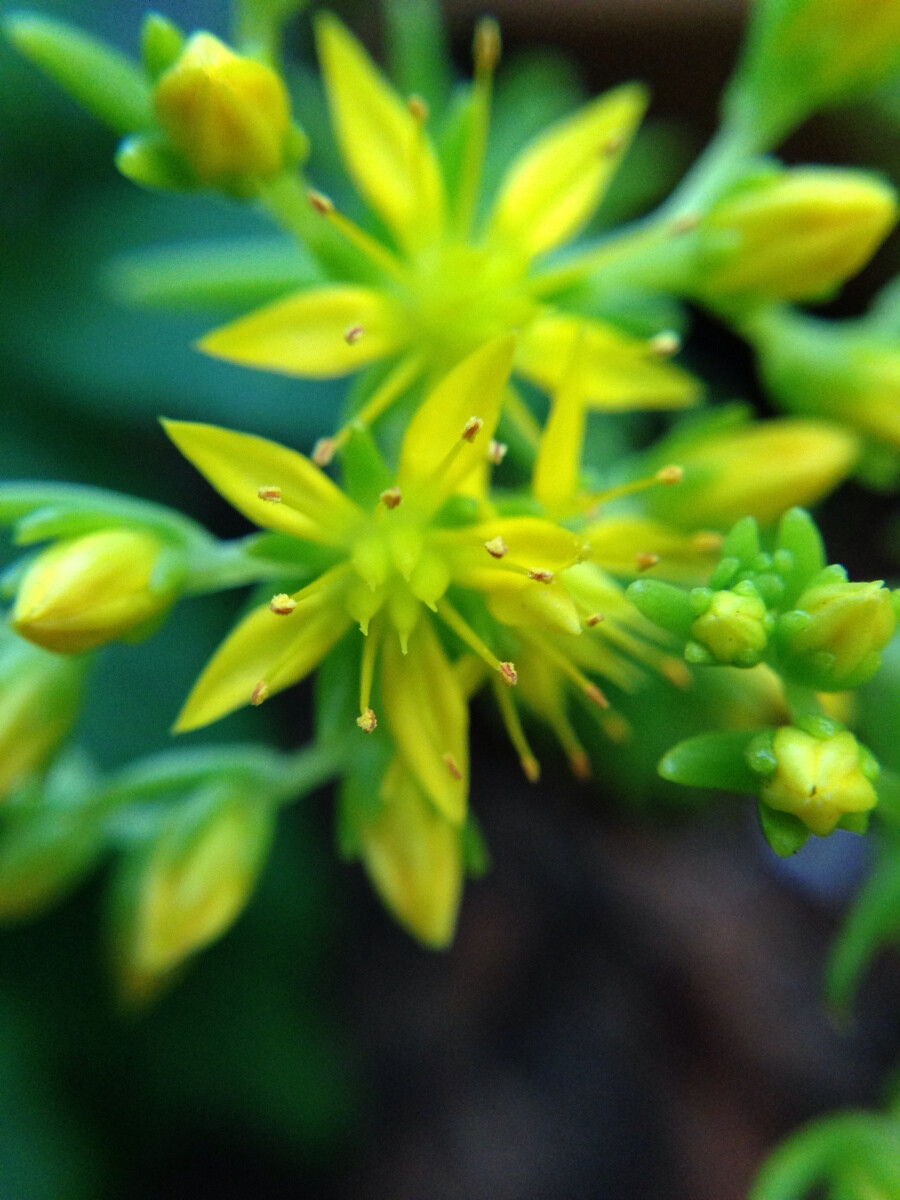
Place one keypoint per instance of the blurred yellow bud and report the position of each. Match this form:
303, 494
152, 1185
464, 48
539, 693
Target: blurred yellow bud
90, 590
819, 779
39, 699
414, 859
795, 235
228, 116
734, 629
759, 470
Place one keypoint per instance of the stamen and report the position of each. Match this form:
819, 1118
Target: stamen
616, 727
393, 387
418, 107
511, 720
670, 475
324, 451
260, 694
452, 766
676, 671
496, 547
282, 604
366, 678
497, 452
486, 46
270, 494
665, 344
367, 721
486, 54
707, 541
612, 145
540, 574
594, 619
391, 497
367, 245
586, 686
472, 428
666, 476
466, 634
686, 223
645, 561
354, 334
568, 739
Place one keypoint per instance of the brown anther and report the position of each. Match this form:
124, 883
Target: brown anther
472, 428
669, 475
509, 674
486, 45
323, 451
612, 145
418, 107
354, 334
594, 619
596, 694
676, 671
367, 721
282, 604
686, 223
270, 494
497, 452
665, 344
531, 767
321, 203
260, 694
580, 764
452, 766
540, 575
707, 541
496, 547
616, 728
646, 561
390, 497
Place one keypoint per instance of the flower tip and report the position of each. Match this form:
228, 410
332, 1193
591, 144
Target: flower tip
531, 767
367, 721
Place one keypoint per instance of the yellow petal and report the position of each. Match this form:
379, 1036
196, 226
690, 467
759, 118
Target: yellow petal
238, 465
429, 719
556, 183
413, 857
683, 557
267, 648
530, 542
434, 455
318, 334
557, 471
519, 601
617, 372
385, 148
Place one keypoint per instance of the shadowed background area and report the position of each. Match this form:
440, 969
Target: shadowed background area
633, 1003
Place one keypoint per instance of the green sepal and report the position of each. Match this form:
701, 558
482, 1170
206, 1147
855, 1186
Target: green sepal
476, 855
149, 161
101, 79
798, 536
420, 56
742, 541
874, 920
664, 604
711, 760
161, 43
784, 832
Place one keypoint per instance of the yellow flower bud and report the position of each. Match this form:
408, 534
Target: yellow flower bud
228, 115
90, 590
734, 630
834, 637
796, 234
414, 859
819, 780
39, 698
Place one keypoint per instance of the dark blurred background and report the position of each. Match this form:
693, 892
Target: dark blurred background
633, 1004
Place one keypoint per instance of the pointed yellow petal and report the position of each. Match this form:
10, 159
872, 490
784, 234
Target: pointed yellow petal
474, 388
529, 542
413, 856
556, 183
522, 602
266, 648
317, 334
557, 471
683, 557
617, 372
429, 719
238, 465
385, 147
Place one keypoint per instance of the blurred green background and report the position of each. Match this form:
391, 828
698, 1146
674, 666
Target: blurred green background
632, 1007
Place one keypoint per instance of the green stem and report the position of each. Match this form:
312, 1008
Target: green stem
313, 766
802, 701
721, 163
228, 565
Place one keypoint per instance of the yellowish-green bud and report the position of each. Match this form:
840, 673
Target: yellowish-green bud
734, 629
833, 638
229, 116
39, 699
795, 235
90, 590
819, 779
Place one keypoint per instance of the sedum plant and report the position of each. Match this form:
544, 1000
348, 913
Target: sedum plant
459, 526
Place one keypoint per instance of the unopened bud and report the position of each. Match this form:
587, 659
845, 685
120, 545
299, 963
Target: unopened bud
734, 629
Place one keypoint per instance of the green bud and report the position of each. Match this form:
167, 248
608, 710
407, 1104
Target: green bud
733, 630
161, 43
40, 696
93, 589
664, 604
832, 640
149, 161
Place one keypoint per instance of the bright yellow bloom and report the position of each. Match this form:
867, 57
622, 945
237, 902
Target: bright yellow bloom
90, 590
227, 115
819, 779
453, 280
